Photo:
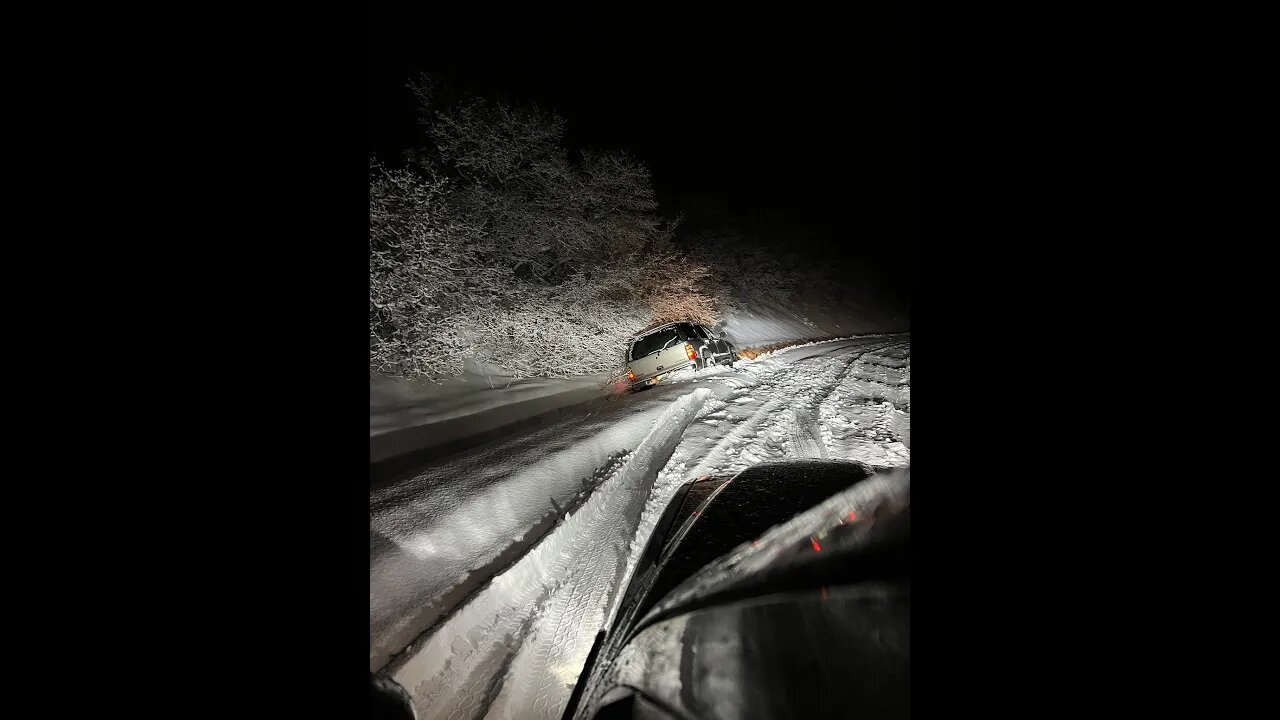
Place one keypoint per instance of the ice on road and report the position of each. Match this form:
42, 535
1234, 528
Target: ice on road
491, 572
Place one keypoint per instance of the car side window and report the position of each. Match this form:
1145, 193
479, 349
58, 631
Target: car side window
703, 332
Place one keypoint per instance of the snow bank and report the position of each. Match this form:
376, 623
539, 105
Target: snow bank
516, 649
438, 535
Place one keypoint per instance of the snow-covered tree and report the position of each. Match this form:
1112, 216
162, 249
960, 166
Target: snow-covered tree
424, 274
503, 247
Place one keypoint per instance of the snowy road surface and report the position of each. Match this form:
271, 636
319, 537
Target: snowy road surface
491, 571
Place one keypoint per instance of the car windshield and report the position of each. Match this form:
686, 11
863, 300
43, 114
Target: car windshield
652, 343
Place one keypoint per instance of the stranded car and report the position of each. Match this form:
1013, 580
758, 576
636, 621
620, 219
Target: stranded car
664, 349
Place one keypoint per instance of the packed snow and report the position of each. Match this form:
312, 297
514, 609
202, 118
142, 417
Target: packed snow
491, 571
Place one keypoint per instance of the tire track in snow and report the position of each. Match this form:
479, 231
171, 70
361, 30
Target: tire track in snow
780, 383
807, 440
877, 373
429, 614
804, 436
861, 420
437, 537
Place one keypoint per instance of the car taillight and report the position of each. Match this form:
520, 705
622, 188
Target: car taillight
630, 375
688, 350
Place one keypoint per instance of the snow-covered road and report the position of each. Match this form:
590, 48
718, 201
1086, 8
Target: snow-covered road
492, 571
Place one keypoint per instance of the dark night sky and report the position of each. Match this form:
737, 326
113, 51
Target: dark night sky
806, 121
